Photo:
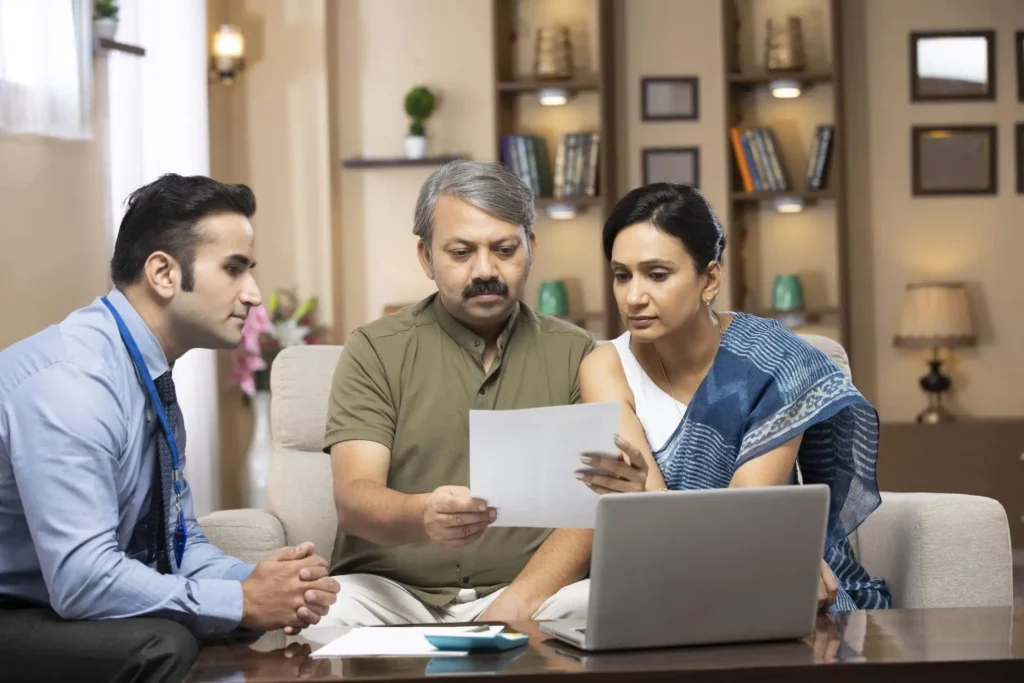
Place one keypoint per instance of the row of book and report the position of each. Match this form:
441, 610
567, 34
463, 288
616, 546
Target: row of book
575, 164
760, 163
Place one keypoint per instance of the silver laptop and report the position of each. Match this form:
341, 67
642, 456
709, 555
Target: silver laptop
702, 567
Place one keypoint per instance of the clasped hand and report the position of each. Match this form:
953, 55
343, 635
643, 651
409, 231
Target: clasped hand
291, 589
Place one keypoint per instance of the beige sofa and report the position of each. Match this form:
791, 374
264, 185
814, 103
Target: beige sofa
935, 550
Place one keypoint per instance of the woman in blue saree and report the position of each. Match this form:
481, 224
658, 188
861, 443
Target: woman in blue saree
713, 400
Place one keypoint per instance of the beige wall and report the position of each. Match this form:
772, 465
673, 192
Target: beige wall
675, 38
898, 238
53, 228
384, 48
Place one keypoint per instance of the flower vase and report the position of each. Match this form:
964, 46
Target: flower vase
257, 458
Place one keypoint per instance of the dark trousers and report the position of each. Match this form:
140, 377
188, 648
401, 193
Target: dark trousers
37, 645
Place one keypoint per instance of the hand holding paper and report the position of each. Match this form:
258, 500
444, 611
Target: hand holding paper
524, 462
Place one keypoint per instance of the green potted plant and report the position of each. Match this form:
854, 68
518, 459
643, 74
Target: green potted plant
420, 103
104, 19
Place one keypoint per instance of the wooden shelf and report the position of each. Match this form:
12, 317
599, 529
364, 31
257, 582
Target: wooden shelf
809, 195
107, 44
587, 201
395, 162
790, 129
527, 85
763, 78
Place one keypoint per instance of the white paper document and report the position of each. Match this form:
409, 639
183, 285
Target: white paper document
523, 463
394, 641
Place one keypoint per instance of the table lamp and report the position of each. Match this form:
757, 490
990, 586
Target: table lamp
936, 315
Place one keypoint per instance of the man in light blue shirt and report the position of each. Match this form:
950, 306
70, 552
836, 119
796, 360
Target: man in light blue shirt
91, 573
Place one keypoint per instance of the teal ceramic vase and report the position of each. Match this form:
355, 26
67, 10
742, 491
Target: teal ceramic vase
554, 298
788, 293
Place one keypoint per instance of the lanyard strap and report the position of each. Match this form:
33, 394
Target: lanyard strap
154, 397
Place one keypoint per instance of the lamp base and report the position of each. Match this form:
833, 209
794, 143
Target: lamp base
934, 414
935, 383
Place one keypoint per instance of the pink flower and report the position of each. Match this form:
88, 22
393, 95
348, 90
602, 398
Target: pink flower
247, 359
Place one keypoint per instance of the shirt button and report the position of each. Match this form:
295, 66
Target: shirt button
465, 580
482, 390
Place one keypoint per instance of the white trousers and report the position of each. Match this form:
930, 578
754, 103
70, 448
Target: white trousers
368, 600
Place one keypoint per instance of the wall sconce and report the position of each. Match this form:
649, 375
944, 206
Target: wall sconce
228, 55
786, 88
553, 96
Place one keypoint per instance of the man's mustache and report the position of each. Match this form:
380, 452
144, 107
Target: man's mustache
480, 287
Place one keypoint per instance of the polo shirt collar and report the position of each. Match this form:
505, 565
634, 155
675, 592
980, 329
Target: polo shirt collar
467, 338
152, 353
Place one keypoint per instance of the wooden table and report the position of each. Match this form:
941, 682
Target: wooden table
967, 644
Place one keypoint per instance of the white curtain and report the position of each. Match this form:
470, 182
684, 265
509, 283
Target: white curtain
158, 123
46, 85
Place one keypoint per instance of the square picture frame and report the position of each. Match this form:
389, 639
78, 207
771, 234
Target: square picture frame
669, 98
952, 66
954, 160
679, 165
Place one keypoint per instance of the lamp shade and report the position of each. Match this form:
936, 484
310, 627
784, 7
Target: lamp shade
935, 315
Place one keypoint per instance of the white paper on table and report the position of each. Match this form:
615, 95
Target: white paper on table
395, 641
524, 462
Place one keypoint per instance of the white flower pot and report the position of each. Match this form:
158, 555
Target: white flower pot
415, 146
104, 28
257, 458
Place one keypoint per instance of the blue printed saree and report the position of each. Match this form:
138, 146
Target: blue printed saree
766, 387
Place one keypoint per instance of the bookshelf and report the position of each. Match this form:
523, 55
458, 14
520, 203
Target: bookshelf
565, 151
787, 211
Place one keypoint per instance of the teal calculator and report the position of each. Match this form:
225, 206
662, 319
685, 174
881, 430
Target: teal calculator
478, 642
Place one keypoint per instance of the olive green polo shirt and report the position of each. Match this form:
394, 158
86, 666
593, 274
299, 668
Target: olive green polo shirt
408, 381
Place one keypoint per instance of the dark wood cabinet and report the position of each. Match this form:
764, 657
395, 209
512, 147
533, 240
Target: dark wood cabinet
978, 457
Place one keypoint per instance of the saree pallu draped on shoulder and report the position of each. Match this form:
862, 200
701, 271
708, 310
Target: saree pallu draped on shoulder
766, 387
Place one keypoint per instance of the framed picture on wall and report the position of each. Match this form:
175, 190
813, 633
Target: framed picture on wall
953, 160
679, 165
1019, 39
669, 98
1019, 134
952, 65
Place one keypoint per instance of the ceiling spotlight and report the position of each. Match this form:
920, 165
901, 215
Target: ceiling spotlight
789, 204
553, 97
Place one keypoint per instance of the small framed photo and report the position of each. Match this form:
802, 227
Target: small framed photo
1019, 134
669, 98
680, 165
952, 160
1019, 39
952, 65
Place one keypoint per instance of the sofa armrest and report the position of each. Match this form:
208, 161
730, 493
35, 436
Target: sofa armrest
939, 550
248, 534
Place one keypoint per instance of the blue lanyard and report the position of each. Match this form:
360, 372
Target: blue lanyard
180, 532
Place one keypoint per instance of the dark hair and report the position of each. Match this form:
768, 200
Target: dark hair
679, 210
162, 216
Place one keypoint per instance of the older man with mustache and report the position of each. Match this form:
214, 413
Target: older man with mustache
413, 546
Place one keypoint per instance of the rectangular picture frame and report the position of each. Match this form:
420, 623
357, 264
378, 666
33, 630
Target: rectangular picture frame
1019, 51
944, 52
1019, 135
669, 98
680, 165
954, 160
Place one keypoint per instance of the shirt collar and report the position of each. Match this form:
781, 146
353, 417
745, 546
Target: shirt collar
467, 338
152, 353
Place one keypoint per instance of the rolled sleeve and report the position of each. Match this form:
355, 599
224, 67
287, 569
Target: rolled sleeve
66, 431
360, 405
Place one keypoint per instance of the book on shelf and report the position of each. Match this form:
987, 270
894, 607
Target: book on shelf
573, 173
821, 152
759, 161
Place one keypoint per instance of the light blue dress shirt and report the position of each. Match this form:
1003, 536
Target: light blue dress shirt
77, 452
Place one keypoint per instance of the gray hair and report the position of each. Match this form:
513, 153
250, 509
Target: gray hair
489, 186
